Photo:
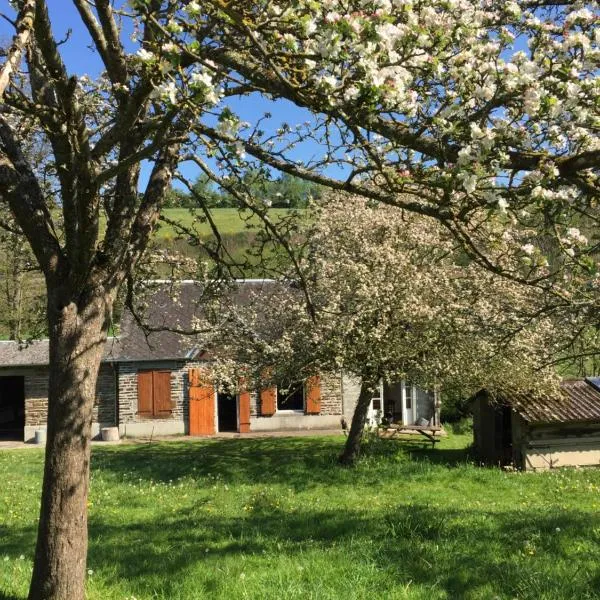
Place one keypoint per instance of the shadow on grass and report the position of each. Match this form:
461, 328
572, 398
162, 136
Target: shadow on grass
512, 554
471, 552
459, 550
13, 541
418, 449
299, 462
444, 456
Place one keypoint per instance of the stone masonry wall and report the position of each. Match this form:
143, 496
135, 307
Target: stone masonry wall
331, 396
331, 401
36, 396
105, 406
128, 400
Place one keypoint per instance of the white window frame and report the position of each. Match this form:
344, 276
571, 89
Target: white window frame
374, 416
409, 414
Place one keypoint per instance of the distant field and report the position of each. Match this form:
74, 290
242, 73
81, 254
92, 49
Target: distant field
278, 519
229, 221
237, 229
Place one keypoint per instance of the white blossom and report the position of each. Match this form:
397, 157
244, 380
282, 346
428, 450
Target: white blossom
145, 55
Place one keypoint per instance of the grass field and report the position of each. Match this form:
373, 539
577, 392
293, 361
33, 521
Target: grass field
229, 221
277, 518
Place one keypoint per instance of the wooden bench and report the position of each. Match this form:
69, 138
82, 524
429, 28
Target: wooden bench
431, 432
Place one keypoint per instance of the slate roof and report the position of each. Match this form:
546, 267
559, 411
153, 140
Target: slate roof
15, 354
169, 307
177, 308
35, 353
163, 312
578, 401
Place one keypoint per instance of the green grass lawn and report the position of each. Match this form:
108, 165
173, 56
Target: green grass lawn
277, 518
229, 221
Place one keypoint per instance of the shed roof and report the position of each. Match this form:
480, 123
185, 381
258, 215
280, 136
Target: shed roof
577, 401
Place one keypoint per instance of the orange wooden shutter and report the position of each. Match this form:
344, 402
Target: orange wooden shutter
144, 395
195, 377
268, 401
162, 393
313, 395
244, 407
202, 403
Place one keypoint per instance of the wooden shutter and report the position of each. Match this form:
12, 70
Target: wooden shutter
313, 395
202, 403
268, 401
195, 377
144, 393
243, 407
162, 394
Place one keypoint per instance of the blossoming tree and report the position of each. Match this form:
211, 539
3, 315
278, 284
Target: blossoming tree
442, 107
391, 296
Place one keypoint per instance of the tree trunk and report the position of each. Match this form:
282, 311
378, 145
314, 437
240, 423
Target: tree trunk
359, 420
77, 332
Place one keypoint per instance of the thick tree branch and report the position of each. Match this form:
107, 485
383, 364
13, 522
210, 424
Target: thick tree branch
24, 26
114, 68
115, 54
149, 210
20, 188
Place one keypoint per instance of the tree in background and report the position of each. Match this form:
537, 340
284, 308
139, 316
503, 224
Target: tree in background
390, 297
21, 288
285, 191
289, 191
458, 110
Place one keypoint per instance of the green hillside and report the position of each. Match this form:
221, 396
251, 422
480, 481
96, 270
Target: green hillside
229, 221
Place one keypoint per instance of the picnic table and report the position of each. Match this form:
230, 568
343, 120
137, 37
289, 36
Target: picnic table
431, 432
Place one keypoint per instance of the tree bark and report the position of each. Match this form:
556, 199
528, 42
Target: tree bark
77, 332
351, 450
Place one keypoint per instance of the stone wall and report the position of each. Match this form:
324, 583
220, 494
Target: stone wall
105, 406
333, 404
331, 394
36, 399
130, 423
350, 392
332, 409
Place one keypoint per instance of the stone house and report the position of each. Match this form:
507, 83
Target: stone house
158, 383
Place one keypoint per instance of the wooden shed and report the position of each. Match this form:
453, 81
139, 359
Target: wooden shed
534, 431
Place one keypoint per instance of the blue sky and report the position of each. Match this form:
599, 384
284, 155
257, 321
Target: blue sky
80, 59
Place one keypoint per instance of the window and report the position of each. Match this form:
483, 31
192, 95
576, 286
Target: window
290, 397
154, 394
409, 394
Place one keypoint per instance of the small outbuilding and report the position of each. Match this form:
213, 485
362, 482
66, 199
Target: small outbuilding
539, 431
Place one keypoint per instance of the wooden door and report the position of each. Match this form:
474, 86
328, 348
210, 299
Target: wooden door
313, 395
243, 407
202, 403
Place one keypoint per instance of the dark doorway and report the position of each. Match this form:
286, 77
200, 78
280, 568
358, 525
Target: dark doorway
227, 408
12, 408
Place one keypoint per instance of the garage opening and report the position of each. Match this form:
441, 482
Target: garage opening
227, 412
12, 408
